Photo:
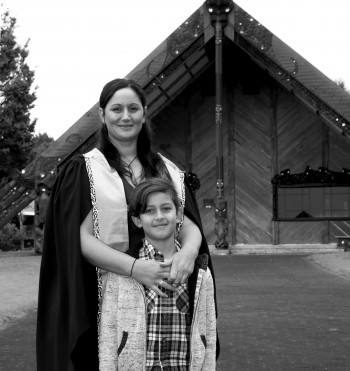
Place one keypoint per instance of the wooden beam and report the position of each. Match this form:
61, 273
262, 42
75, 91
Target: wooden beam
188, 135
231, 170
274, 151
325, 145
325, 163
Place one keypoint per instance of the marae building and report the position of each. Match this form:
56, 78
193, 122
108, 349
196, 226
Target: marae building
262, 133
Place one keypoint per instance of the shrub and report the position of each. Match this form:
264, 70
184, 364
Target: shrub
10, 238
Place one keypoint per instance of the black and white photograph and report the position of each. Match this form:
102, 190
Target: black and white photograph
174, 185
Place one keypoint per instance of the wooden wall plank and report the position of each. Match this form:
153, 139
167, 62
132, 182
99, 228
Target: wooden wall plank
302, 232
252, 155
299, 135
339, 151
252, 168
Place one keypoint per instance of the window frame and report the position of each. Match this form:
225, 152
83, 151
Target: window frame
321, 178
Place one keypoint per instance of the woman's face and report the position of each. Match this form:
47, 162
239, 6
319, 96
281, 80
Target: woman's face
124, 116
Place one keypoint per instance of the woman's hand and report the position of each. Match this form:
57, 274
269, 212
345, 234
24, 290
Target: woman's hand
181, 264
152, 274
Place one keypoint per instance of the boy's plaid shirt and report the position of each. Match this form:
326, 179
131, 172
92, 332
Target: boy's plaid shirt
168, 323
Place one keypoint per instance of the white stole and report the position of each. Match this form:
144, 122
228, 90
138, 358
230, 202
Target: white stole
110, 224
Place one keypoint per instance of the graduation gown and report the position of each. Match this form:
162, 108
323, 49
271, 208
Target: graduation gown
68, 288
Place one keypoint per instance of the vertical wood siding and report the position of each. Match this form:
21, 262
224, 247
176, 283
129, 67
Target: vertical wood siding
252, 167
299, 145
249, 157
299, 135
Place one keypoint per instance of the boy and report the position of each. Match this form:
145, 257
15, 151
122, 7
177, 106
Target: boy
177, 332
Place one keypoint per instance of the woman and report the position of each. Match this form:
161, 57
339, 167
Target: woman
87, 226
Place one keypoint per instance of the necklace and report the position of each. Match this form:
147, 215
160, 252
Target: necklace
133, 178
128, 165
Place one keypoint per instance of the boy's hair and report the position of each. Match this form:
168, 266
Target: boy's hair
139, 196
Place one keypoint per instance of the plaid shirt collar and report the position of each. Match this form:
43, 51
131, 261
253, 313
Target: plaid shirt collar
149, 252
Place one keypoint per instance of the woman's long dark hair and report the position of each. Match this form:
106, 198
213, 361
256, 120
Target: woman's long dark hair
150, 161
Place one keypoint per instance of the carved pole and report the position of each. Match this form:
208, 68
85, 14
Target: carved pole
219, 10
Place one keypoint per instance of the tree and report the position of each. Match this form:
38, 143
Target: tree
16, 100
341, 83
40, 142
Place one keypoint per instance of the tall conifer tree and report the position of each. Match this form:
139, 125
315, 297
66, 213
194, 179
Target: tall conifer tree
16, 100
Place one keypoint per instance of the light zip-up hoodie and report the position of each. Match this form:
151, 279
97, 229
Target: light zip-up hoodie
109, 214
123, 339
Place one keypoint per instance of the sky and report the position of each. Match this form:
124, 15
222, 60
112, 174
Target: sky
76, 46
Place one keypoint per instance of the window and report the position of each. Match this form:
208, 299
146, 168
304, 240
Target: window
313, 202
312, 195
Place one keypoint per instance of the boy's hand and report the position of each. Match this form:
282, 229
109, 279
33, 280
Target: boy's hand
153, 275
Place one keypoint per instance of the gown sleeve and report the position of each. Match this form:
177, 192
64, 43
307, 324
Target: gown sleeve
68, 300
192, 212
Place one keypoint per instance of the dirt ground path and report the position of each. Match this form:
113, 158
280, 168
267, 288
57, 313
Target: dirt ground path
335, 262
19, 277
298, 327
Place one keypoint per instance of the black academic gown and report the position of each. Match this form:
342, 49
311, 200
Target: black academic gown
68, 292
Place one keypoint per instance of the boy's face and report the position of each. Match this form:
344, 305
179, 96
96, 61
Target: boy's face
160, 217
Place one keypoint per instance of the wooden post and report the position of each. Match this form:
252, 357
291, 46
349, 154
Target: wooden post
325, 145
188, 135
231, 170
274, 156
325, 163
218, 10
